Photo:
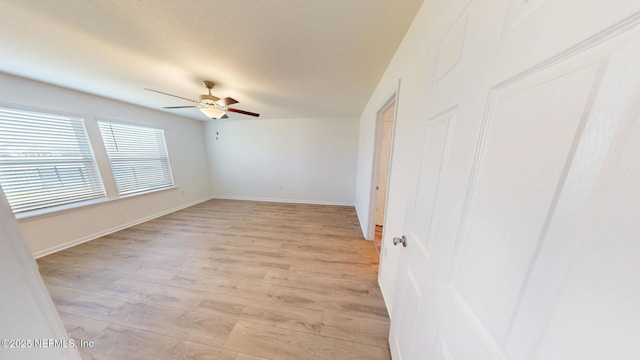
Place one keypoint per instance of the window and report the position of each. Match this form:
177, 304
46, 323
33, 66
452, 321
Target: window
138, 157
45, 160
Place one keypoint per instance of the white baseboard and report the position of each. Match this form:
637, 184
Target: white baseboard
291, 201
99, 234
384, 297
365, 232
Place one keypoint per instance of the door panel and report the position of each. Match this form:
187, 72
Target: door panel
597, 313
413, 327
411, 296
450, 49
602, 271
428, 177
510, 203
523, 245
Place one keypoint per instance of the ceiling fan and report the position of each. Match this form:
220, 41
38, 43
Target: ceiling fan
212, 106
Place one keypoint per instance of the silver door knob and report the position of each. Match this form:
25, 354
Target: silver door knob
400, 240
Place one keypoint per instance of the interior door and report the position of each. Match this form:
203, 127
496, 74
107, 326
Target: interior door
27, 313
522, 222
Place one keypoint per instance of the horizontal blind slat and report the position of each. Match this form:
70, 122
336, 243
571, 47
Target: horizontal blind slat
138, 157
46, 160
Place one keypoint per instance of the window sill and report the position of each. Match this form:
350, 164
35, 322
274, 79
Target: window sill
61, 209
128, 196
55, 210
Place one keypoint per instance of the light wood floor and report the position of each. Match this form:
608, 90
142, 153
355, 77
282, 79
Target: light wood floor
377, 240
225, 280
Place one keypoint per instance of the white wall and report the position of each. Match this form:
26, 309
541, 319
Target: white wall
187, 153
409, 66
310, 160
409, 71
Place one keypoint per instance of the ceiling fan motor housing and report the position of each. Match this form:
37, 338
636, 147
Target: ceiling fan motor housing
209, 99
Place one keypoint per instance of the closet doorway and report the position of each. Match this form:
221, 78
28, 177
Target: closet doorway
384, 143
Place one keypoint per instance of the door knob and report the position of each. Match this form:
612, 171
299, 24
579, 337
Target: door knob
400, 240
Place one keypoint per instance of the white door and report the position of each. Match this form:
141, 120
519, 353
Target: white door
27, 313
523, 221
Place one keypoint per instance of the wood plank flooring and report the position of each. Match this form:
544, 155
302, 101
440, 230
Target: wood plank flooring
377, 239
225, 280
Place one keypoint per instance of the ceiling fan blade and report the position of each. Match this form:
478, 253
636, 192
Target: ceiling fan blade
227, 101
243, 112
176, 96
178, 107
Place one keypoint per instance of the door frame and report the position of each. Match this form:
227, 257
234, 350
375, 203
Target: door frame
391, 99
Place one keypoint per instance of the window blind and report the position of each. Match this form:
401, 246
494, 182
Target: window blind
45, 160
138, 156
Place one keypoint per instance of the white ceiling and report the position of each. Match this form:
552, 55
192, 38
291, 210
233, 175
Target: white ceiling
281, 58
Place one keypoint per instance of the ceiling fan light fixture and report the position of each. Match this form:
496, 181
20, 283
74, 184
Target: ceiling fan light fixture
211, 106
212, 112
